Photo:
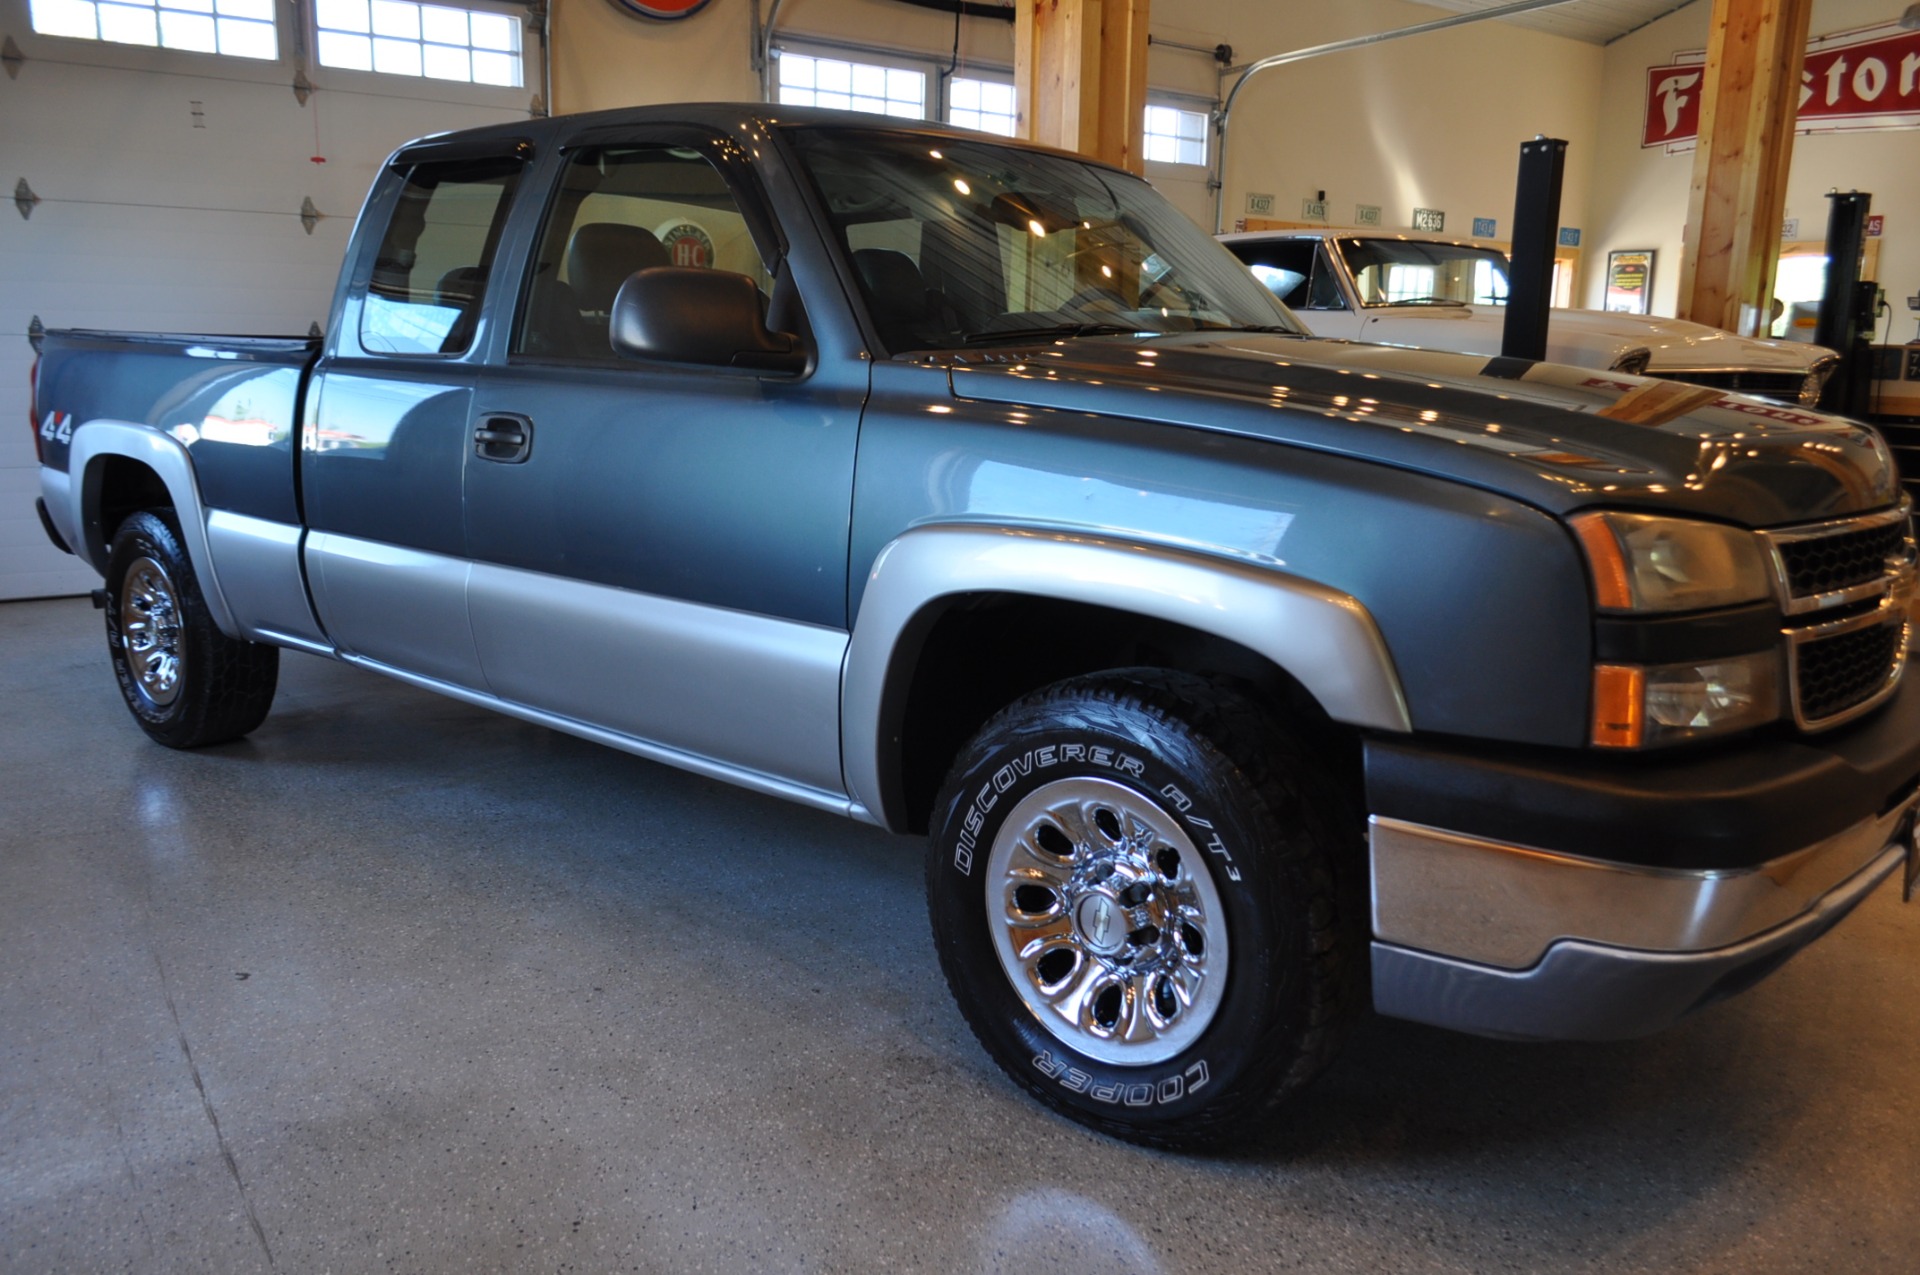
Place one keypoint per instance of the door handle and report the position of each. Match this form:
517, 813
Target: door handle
507, 440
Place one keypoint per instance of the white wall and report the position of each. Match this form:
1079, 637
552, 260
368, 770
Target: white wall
155, 219
1429, 121
1642, 199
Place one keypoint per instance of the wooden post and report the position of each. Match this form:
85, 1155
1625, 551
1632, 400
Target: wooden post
1080, 76
1748, 101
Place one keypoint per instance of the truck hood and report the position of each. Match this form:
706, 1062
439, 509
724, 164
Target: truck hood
1557, 437
1592, 338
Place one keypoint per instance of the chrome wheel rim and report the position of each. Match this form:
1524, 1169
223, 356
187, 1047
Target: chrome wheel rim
150, 632
1106, 921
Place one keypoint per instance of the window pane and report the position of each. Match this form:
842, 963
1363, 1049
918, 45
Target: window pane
391, 18
621, 209
342, 15
430, 273
396, 57
443, 63
835, 77
187, 31
870, 81
906, 86
186, 6
124, 25
349, 52
72, 18
1175, 136
495, 31
444, 26
796, 71
258, 10
964, 95
496, 68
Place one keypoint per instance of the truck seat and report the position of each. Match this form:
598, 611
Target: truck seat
904, 309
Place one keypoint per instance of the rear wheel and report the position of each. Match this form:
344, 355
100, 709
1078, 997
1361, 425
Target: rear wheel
185, 681
1131, 883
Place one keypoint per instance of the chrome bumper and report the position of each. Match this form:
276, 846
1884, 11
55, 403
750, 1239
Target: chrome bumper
1508, 940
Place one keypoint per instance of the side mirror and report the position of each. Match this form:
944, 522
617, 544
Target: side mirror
673, 314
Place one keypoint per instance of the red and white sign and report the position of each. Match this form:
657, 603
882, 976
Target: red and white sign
1865, 79
666, 10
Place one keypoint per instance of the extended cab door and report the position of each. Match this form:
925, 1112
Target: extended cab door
661, 550
386, 442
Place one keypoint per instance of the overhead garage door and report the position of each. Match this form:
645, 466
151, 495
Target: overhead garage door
170, 186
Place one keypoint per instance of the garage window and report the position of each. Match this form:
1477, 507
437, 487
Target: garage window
1175, 136
852, 86
437, 42
983, 104
237, 28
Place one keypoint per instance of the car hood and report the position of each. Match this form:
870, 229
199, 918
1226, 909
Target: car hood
1558, 437
1592, 338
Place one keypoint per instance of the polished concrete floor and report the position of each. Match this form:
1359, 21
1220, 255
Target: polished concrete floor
398, 984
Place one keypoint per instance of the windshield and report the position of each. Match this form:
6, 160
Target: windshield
1409, 272
956, 242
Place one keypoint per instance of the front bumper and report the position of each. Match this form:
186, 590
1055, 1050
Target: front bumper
1539, 936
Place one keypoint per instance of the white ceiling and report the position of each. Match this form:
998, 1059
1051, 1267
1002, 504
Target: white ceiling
1595, 21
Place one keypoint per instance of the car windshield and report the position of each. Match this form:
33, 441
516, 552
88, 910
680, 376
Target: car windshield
1411, 272
956, 242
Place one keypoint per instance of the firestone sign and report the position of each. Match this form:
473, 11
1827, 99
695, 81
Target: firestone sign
1865, 79
665, 10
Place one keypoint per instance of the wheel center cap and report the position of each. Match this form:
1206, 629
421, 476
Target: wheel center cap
1102, 924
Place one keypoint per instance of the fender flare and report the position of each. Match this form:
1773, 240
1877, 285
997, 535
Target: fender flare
167, 458
1324, 639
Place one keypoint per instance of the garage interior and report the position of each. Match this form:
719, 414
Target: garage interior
397, 983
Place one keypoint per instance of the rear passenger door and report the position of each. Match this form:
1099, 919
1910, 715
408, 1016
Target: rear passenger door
661, 550
385, 447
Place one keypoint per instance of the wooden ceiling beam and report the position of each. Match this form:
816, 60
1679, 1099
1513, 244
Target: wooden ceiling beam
1080, 76
1749, 97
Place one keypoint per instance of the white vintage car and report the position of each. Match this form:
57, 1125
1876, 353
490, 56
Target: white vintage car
1396, 289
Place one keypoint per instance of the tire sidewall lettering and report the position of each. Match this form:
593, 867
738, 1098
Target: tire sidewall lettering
1160, 1092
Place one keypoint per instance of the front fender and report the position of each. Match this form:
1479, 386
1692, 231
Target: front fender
1325, 640
80, 514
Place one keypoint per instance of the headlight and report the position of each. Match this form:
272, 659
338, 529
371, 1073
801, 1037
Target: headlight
1634, 707
1645, 563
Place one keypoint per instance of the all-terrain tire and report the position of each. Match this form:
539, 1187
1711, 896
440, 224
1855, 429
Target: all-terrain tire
1132, 885
186, 683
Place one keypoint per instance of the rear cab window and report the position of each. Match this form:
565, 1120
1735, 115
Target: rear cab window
429, 275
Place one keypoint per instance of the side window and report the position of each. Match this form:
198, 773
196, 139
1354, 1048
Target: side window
1324, 292
431, 272
1283, 265
621, 209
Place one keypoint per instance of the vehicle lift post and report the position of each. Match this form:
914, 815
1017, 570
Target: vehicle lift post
1536, 232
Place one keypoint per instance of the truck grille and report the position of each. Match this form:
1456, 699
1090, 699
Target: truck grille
1845, 586
1834, 674
1840, 562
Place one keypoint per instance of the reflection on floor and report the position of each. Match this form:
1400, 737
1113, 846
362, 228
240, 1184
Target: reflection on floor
400, 984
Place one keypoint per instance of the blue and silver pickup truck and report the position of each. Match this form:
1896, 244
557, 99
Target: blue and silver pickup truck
1239, 679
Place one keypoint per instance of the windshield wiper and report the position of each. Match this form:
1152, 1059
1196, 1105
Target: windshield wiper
1421, 301
1057, 330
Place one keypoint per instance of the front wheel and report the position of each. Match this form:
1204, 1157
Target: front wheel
1131, 883
186, 682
